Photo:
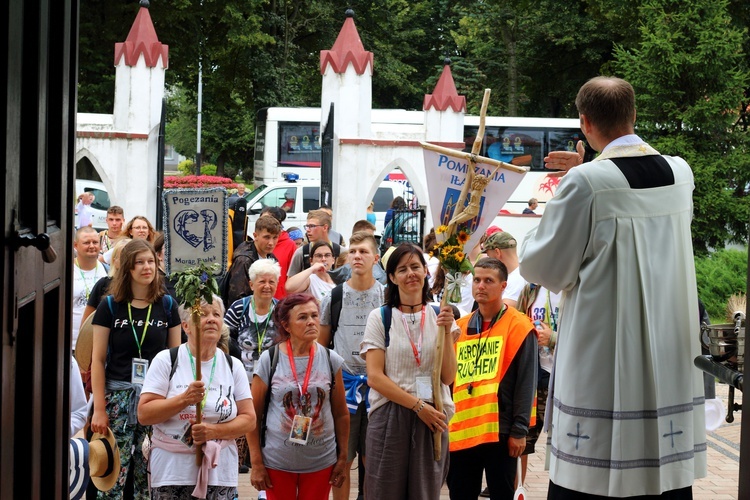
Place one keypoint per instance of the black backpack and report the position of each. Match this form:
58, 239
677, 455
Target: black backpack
337, 296
239, 222
306, 254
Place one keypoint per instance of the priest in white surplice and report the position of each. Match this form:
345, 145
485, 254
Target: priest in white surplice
626, 404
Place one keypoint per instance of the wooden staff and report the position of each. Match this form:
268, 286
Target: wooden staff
196, 314
437, 393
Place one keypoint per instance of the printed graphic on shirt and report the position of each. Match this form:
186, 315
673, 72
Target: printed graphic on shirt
310, 405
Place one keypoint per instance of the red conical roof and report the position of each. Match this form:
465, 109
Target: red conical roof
445, 94
347, 49
142, 39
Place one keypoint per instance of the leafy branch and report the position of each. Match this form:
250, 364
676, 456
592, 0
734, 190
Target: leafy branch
197, 283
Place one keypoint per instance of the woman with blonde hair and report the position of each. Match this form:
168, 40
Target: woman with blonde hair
172, 397
131, 326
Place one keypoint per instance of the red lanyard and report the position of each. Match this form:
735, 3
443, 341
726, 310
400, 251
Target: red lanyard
416, 349
302, 388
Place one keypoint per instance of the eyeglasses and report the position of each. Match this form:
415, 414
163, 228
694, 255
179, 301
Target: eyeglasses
323, 255
313, 226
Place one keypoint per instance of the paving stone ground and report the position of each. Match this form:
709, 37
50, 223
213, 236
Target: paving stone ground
721, 483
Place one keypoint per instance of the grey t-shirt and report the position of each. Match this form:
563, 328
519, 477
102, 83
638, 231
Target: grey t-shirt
297, 262
355, 307
320, 450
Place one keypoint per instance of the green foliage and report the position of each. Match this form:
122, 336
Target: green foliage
187, 167
196, 283
533, 64
719, 275
688, 61
690, 74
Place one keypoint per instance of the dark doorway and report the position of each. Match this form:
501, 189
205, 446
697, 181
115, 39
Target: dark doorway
38, 120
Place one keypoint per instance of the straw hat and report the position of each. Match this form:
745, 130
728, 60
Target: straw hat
85, 343
104, 459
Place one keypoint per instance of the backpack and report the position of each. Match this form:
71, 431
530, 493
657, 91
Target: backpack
273, 351
306, 253
337, 296
173, 356
238, 220
527, 297
385, 314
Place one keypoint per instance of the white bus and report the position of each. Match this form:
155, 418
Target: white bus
288, 140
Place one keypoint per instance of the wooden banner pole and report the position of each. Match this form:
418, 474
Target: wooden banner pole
196, 316
437, 393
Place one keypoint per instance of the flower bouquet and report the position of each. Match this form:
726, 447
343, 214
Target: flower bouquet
450, 252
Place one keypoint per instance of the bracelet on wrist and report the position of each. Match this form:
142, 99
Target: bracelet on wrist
414, 408
421, 407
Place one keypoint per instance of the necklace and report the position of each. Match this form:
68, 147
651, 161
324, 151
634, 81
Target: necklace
412, 306
413, 313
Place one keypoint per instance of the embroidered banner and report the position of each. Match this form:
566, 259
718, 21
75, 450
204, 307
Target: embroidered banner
446, 175
195, 228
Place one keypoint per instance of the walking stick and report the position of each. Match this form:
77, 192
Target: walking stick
196, 317
194, 285
437, 393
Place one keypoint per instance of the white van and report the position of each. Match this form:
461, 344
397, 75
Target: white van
99, 206
303, 195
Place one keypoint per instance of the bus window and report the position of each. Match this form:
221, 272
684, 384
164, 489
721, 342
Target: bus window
299, 144
564, 139
518, 146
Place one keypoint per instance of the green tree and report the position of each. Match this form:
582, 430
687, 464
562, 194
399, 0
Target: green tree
533, 54
690, 75
720, 275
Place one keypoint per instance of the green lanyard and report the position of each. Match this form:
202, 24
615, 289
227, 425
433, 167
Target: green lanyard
83, 277
211, 378
139, 343
261, 337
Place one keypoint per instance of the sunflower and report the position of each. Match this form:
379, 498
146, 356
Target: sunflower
459, 256
463, 237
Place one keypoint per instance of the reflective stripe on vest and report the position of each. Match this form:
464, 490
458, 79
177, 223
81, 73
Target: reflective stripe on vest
477, 417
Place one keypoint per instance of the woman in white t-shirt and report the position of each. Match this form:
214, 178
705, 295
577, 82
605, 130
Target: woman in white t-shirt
315, 279
399, 371
169, 401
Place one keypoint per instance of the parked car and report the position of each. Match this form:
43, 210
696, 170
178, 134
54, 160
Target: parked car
101, 201
300, 196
